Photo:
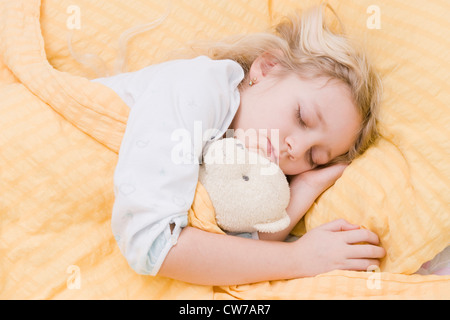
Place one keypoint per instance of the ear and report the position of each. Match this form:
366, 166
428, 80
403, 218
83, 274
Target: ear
262, 65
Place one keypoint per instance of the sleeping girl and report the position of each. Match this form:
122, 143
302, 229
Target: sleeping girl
307, 84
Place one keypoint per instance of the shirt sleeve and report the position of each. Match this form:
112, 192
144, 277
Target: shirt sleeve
187, 105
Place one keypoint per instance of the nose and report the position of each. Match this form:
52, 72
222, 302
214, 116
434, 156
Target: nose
298, 149
293, 149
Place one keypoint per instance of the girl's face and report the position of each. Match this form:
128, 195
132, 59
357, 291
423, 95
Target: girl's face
301, 123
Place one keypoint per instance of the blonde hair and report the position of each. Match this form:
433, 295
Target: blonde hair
306, 45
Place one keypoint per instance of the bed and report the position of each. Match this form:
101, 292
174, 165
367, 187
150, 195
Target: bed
60, 135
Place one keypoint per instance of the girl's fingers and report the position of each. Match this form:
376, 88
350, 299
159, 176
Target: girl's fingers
366, 251
339, 225
336, 170
325, 177
361, 264
361, 235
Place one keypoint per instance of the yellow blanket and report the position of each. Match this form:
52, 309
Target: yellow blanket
60, 135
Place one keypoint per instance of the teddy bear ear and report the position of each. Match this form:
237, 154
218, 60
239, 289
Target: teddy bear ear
272, 227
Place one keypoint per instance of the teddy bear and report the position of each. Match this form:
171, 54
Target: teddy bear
249, 192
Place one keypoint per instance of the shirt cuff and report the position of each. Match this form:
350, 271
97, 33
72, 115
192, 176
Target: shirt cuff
165, 241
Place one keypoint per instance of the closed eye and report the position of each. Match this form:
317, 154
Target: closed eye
299, 117
310, 159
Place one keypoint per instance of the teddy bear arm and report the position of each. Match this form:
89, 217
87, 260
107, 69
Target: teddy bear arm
275, 226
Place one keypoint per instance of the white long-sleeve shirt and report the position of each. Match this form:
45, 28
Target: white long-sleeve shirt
176, 109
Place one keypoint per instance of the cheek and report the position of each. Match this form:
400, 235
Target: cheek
292, 168
288, 168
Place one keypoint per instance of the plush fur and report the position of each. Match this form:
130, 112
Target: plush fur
249, 193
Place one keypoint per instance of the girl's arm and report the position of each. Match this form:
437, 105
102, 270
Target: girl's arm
213, 259
207, 258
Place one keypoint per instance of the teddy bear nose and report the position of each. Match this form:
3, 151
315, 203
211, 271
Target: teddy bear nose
246, 178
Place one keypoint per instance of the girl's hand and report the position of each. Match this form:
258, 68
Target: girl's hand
333, 246
317, 179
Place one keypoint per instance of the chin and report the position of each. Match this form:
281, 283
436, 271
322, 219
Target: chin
289, 171
286, 171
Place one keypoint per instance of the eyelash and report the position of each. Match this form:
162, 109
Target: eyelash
303, 124
310, 159
299, 117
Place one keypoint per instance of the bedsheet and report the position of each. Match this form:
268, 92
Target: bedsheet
60, 134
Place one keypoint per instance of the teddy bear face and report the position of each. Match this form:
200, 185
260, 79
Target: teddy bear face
249, 193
